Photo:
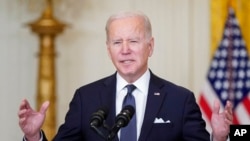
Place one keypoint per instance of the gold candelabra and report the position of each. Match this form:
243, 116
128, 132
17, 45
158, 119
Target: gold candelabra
47, 27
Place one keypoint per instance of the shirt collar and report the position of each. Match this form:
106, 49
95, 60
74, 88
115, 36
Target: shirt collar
141, 84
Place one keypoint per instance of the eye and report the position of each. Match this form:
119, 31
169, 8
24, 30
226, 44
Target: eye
134, 40
117, 42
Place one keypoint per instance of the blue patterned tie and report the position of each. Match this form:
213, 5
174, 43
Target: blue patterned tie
129, 133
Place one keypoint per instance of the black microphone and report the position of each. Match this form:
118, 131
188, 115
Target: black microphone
124, 116
98, 117
122, 120
97, 120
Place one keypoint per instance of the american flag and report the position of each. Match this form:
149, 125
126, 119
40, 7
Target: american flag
228, 77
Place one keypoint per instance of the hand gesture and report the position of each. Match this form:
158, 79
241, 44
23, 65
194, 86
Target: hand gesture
31, 121
221, 121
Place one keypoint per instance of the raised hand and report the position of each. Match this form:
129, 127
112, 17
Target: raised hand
221, 121
31, 121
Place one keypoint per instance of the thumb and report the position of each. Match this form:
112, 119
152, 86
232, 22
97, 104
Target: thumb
44, 107
216, 107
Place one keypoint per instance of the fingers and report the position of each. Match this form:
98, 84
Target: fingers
22, 121
27, 104
216, 107
229, 107
23, 111
24, 108
229, 112
24, 105
44, 107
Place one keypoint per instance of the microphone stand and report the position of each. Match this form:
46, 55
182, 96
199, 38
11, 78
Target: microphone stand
114, 130
99, 132
107, 137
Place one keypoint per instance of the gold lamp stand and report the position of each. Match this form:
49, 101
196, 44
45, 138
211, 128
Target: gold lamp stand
47, 27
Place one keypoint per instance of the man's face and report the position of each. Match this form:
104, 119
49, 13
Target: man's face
129, 48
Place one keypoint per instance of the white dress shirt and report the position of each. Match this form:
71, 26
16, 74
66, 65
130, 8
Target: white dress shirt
140, 94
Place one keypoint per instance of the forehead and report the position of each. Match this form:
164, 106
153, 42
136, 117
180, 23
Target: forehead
130, 19
126, 25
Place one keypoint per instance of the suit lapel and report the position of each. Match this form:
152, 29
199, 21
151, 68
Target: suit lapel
154, 102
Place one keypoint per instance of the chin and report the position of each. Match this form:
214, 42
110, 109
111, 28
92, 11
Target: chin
127, 73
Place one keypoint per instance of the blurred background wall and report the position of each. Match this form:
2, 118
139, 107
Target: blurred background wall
181, 55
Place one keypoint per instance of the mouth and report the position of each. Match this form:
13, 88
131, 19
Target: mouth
127, 61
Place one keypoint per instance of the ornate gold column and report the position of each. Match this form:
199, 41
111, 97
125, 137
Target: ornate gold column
47, 27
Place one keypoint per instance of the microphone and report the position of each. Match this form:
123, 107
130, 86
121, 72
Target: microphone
97, 120
124, 116
98, 117
122, 120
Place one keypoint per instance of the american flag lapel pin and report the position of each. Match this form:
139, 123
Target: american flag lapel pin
157, 94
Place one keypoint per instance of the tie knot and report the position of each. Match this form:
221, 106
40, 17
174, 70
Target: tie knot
130, 88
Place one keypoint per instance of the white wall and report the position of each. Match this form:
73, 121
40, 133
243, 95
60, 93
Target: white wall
180, 28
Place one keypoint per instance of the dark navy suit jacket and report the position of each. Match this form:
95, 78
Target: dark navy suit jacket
173, 104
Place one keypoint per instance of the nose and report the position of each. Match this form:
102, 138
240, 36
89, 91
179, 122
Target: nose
125, 48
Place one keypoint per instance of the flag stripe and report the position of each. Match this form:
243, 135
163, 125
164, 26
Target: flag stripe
235, 119
207, 110
246, 103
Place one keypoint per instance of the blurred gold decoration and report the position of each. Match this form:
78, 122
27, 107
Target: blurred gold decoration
219, 10
47, 27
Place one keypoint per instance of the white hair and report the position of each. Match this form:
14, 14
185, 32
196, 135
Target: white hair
126, 14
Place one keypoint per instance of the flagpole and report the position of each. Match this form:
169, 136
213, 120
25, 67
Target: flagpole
230, 59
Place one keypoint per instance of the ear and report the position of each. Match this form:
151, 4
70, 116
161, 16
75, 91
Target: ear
151, 46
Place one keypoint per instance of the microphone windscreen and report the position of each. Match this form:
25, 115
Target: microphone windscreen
98, 117
125, 116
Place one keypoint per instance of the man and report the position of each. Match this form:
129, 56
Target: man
164, 111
